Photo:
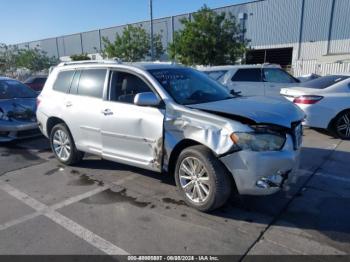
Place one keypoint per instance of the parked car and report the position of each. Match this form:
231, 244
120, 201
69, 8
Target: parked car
252, 80
17, 111
171, 118
308, 77
36, 82
326, 102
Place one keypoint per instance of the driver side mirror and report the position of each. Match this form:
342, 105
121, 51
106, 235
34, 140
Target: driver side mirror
146, 99
234, 93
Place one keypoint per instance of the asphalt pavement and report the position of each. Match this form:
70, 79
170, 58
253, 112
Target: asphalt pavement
101, 207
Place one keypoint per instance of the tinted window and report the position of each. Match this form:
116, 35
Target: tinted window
324, 82
91, 82
125, 86
276, 75
248, 75
63, 81
216, 75
39, 80
187, 86
14, 89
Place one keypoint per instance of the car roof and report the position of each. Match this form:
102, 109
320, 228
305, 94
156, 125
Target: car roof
115, 64
229, 67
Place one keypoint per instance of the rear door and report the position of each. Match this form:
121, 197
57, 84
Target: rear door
83, 109
131, 134
248, 81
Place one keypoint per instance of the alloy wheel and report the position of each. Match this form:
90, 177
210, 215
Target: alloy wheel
343, 125
194, 180
61, 145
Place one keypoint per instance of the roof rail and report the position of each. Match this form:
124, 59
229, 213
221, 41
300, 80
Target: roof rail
89, 62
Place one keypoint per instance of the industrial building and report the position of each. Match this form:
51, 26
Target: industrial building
309, 36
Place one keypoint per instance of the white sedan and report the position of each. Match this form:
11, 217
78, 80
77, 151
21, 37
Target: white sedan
326, 103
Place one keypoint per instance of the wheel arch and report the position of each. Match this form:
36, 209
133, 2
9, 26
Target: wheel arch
185, 143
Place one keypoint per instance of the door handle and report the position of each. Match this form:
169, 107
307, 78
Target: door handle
69, 104
107, 112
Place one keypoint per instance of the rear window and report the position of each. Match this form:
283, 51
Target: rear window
248, 75
324, 82
63, 81
91, 82
14, 89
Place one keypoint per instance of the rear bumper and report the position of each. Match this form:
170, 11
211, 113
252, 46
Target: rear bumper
263, 173
12, 130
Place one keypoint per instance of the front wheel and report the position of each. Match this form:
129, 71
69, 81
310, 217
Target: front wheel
342, 125
63, 145
202, 179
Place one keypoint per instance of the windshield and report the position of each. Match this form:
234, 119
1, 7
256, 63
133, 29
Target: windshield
14, 89
324, 82
188, 86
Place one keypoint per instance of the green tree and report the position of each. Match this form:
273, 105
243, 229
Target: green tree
34, 59
7, 59
80, 57
208, 39
132, 45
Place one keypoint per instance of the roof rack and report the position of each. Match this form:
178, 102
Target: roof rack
90, 62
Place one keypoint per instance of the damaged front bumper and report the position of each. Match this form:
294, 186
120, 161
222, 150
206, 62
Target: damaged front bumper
12, 130
263, 173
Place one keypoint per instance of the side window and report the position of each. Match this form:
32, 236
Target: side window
125, 86
75, 83
276, 75
63, 81
91, 82
247, 75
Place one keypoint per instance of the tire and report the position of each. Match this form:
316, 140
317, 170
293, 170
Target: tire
70, 155
213, 176
341, 125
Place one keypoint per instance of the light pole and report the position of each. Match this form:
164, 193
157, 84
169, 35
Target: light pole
151, 21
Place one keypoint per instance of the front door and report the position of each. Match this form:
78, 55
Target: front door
275, 79
131, 134
248, 81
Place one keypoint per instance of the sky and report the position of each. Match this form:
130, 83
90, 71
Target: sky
29, 20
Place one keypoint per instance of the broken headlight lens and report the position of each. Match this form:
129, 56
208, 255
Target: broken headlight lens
258, 141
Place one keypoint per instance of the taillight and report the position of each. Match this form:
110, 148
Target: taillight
307, 100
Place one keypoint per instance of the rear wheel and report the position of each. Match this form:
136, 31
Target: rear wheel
342, 125
63, 145
202, 179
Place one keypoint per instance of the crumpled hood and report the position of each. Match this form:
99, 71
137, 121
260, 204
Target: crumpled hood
261, 110
20, 109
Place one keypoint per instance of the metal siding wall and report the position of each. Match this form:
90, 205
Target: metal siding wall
340, 35
49, 46
91, 42
110, 33
274, 22
316, 20
72, 44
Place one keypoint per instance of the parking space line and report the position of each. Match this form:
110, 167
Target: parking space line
341, 179
19, 220
78, 230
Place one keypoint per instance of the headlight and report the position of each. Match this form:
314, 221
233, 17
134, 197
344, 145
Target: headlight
3, 115
258, 141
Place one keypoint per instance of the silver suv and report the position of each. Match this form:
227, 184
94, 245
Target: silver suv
171, 118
